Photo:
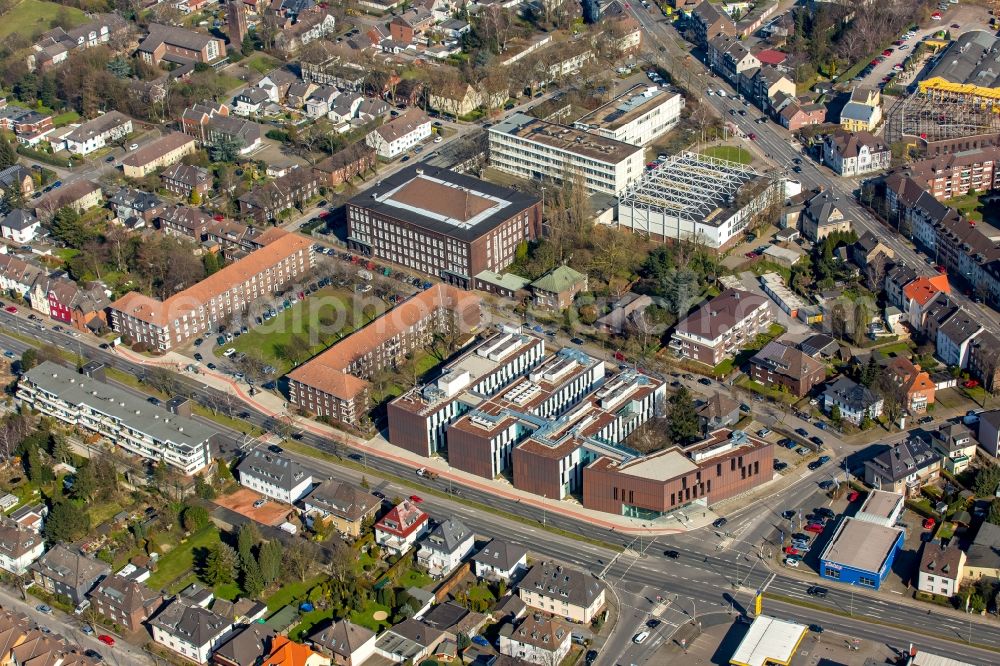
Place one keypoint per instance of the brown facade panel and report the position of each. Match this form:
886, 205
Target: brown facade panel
470, 453
536, 473
607, 489
408, 430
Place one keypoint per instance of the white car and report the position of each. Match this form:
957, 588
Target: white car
792, 562
640, 637
722, 93
438, 139
763, 432
134, 146
229, 352
711, 93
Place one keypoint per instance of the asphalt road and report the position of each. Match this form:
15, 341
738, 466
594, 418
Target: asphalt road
122, 654
701, 573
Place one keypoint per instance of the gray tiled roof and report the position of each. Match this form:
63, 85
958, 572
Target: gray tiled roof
903, 459
448, 536
557, 581
277, 470
848, 392
500, 554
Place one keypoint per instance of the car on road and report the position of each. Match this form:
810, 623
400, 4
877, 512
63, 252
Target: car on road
134, 146
44, 608
107, 640
259, 503
652, 623
94, 654
788, 514
379, 495
929, 523
815, 628
87, 630
198, 357
802, 432
576, 341
640, 637
274, 448
416, 499
924, 420
822, 460
816, 591
720, 522
11, 309
814, 465
792, 562
211, 366
815, 528
705, 381
826, 485
590, 658
109, 159
672, 554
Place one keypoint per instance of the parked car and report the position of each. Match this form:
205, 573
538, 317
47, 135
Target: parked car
416, 499
792, 562
802, 432
44, 608
929, 523
815, 528
763, 432
853, 496
107, 640
816, 440
788, 514
826, 485
780, 466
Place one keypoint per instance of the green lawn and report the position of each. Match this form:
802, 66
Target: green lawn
307, 621
261, 62
228, 591
973, 207
303, 321
364, 618
65, 118
414, 578
30, 18
896, 349
731, 153
290, 591
181, 557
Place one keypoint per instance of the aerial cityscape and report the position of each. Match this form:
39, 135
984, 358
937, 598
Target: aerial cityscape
500, 332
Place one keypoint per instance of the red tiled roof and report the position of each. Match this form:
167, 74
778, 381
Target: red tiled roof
923, 289
772, 57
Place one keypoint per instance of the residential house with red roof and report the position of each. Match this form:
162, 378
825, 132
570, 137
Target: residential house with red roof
400, 529
919, 293
914, 382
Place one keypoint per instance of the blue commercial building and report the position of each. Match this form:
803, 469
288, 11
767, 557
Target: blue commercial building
861, 553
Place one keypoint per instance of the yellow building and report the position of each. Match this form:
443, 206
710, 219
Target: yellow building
863, 112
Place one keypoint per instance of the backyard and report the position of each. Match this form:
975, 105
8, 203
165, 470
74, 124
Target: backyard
180, 559
30, 18
975, 207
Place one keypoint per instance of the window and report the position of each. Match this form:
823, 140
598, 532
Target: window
832, 573
863, 580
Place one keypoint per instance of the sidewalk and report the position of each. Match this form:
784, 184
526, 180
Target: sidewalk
273, 406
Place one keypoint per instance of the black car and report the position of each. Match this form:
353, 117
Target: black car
94, 654
672, 554
720, 522
780, 466
802, 431
198, 356
274, 448
816, 440
198, 341
153, 401
591, 657
379, 495
815, 628
925, 420
822, 460
211, 366
706, 381
826, 485
788, 514
576, 341
322, 203
652, 623
816, 591
109, 159
814, 465
825, 512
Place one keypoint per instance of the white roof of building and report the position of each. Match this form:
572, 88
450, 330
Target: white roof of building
769, 640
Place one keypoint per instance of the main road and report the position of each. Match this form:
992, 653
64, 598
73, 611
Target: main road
701, 575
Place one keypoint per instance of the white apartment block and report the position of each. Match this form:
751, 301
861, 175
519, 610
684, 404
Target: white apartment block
124, 419
97, 133
535, 149
400, 134
277, 477
638, 116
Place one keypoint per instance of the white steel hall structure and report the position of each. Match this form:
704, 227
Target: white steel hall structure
697, 198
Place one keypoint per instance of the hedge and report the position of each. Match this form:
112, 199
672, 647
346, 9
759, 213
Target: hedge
42, 156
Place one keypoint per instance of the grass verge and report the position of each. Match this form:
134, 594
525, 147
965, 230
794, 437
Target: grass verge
307, 450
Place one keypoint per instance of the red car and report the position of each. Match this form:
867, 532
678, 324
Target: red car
940, 269
753, 137
416, 499
815, 528
853, 496
929, 523
751, 255
972, 383
887, 52
11, 309
791, 550
107, 640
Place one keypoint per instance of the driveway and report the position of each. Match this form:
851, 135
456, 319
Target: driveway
796, 329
